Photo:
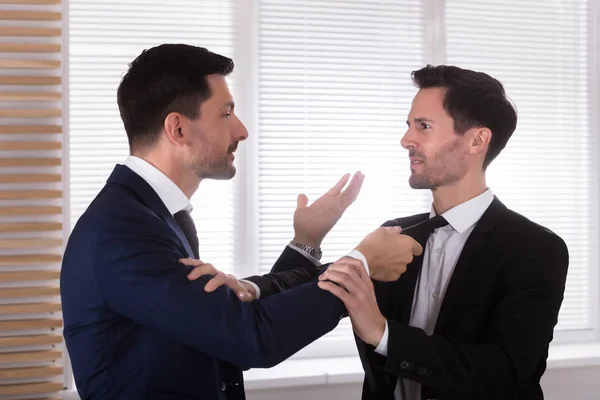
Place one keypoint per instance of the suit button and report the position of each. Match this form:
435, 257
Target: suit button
406, 365
424, 371
223, 387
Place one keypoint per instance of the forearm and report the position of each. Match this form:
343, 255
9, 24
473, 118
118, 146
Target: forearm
257, 334
277, 282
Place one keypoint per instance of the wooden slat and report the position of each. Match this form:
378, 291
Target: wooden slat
7, 63
30, 210
28, 324
30, 372
30, 388
26, 15
30, 146
30, 259
9, 129
28, 276
30, 1
30, 194
21, 80
28, 356
30, 178
29, 243
30, 113
29, 340
21, 31
30, 162
30, 227
30, 96
30, 47
43, 398
17, 293
30, 308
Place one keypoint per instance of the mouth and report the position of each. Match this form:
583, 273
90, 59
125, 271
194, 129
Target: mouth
231, 157
415, 161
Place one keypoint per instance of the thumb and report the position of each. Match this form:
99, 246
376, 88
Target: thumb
302, 201
417, 248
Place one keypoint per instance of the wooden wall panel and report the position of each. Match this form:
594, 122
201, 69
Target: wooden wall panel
32, 120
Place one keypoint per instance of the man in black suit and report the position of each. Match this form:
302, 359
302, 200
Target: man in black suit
473, 316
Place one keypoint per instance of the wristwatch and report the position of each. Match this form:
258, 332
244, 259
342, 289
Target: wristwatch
315, 253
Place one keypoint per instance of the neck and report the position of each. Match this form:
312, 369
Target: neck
187, 181
447, 197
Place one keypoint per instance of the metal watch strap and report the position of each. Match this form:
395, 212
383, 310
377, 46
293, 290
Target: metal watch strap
315, 253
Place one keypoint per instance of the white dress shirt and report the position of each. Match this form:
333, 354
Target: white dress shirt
175, 200
441, 254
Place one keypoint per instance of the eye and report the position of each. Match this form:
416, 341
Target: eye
425, 125
227, 115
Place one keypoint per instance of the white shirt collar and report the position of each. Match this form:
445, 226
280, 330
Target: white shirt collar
465, 215
170, 194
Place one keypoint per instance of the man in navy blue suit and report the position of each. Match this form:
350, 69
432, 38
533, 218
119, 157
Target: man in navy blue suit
136, 325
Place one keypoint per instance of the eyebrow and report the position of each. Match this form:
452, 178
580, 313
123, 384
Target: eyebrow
420, 120
229, 105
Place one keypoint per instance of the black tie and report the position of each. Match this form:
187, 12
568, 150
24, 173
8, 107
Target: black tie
186, 223
405, 287
421, 231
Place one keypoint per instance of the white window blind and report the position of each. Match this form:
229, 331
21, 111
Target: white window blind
104, 37
334, 90
539, 51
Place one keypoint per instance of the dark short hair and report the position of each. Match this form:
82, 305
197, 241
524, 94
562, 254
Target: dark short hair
473, 99
165, 79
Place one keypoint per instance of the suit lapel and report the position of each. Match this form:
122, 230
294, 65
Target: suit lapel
122, 175
469, 259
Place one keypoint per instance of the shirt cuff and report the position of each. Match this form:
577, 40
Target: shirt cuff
255, 286
383, 344
359, 256
305, 254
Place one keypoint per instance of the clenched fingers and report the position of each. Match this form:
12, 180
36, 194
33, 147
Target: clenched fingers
344, 275
353, 263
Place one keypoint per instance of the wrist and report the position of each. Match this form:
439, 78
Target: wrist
307, 241
366, 253
377, 332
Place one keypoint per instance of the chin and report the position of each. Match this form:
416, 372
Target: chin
224, 174
417, 182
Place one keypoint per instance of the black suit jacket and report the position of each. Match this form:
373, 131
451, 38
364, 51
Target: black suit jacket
496, 320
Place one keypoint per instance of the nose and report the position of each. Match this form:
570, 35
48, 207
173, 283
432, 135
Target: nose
407, 141
239, 132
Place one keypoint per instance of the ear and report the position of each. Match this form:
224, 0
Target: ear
174, 128
480, 140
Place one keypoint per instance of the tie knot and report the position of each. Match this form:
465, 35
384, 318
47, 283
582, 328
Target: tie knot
436, 222
421, 231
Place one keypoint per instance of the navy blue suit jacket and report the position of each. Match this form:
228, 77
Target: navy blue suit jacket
136, 328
